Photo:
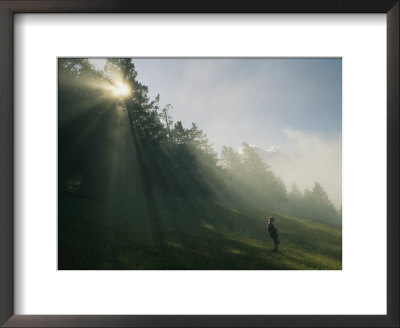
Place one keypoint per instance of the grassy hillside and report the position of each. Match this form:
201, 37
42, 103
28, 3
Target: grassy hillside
182, 234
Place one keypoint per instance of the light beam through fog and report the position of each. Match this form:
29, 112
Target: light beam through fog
291, 104
289, 109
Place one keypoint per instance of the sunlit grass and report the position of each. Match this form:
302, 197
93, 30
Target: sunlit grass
237, 240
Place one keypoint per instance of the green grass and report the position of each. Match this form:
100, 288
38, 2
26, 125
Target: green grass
180, 234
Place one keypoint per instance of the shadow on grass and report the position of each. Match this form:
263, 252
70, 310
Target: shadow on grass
196, 237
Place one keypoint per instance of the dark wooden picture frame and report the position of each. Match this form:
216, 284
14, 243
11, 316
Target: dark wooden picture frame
10, 7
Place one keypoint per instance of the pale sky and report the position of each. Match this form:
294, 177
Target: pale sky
283, 106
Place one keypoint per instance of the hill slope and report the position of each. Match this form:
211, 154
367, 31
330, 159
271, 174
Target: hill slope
190, 235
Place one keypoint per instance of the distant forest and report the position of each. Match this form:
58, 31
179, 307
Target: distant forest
169, 160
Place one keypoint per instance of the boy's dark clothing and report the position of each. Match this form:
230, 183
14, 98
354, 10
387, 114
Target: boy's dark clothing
273, 232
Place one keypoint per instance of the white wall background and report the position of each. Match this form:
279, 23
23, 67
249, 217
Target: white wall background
360, 288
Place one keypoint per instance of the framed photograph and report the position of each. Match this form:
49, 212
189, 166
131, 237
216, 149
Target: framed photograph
202, 164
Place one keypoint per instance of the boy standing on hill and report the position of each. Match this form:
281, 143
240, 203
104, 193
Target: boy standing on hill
273, 232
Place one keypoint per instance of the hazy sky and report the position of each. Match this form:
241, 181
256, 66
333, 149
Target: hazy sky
285, 106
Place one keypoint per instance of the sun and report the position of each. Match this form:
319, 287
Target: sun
120, 90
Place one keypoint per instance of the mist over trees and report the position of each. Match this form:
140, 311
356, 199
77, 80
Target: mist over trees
165, 158
247, 173
312, 203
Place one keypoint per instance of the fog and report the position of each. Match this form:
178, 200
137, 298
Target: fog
305, 159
